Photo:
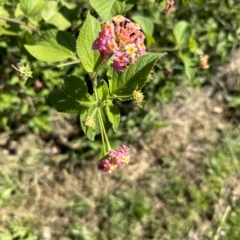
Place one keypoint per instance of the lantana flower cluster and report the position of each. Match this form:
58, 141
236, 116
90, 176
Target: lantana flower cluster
123, 39
115, 159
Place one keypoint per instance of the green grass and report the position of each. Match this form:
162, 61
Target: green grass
163, 202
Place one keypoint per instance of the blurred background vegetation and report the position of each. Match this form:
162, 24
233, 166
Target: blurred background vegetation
183, 180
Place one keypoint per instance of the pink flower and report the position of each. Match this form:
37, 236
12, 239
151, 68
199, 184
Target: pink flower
120, 61
123, 39
124, 150
141, 46
100, 42
105, 165
113, 153
115, 159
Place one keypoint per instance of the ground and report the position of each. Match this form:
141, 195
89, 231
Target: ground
181, 183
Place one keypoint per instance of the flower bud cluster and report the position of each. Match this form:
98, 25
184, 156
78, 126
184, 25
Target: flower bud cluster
123, 39
24, 71
90, 122
115, 159
138, 97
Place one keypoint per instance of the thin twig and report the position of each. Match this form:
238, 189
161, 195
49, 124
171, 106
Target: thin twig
68, 63
163, 49
13, 20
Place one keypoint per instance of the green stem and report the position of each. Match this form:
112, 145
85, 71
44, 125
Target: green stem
122, 96
103, 64
106, 144
103, 132
102, 136
99, 68
102, 127
68, 63
94, 81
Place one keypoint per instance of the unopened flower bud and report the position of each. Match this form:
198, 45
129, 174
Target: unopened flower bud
90, 122
138, 97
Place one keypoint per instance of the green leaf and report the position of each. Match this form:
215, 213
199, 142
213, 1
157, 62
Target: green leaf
113, 114
28, 38
88, 34
73, 97
75, 87
4, 13
52, 16
7, 33
54, 46
49, 11
31, 8
193, 45
147, 27
108, 8
134, 77
189, 65
182, 33
102, 90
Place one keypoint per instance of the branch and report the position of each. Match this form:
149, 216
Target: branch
18, 22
